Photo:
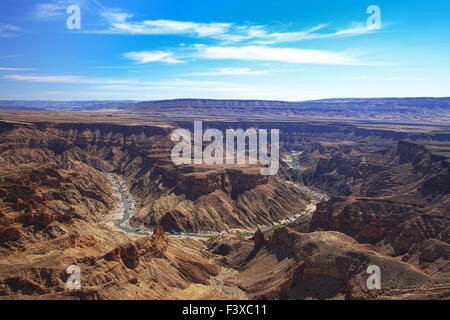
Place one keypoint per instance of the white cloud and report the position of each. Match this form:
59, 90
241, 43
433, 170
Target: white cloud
50, 10
279, 37
251, 53
10, 56
142, 57
45, 78
114, 15
287, 55
176, 88
15, 69
226, 32
356, 29
228, 72
9, 30
110, 83
121, 22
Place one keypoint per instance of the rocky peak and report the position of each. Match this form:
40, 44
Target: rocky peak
259, 239
128, 253
283, 239
159, 235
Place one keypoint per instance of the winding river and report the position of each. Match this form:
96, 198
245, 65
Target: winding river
120, 218
125, 210
126, 203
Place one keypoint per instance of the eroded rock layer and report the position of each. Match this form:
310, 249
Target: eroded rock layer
389, 206
182, 199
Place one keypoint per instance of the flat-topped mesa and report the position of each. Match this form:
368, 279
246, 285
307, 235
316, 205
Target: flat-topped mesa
202, 198
196, 181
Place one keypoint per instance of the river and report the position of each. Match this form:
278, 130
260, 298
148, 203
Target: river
121, 224
120, 219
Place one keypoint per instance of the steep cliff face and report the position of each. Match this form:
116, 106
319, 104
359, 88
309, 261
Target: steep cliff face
42, 203
322, 265
196, 181
52, 177
219, 199
362, 171
396, 198
398, 225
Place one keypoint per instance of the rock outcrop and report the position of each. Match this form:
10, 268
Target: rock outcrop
396, 198
259, 239
205, 199
152, 267
326, 265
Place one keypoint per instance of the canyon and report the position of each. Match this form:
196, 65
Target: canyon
222, 231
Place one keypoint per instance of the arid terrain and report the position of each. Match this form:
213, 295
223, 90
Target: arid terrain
354, 189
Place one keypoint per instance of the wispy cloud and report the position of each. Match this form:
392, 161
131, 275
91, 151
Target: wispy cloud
113, 15
122, 22
16, 69
278, 37
234, 41
109, 82
226, 32
354, 30
142, 57
229, 72
165, 27
261, 53
50, 10
286, 55
47, 78
9, 30
175, 88
10, 56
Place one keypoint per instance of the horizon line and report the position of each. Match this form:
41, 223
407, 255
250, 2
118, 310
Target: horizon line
218, 99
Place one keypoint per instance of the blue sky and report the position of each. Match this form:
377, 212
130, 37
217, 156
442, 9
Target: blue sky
283, 50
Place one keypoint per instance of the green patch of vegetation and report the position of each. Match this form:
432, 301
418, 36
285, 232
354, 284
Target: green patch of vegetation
277, 227
246, 234
309, 195
209, 237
